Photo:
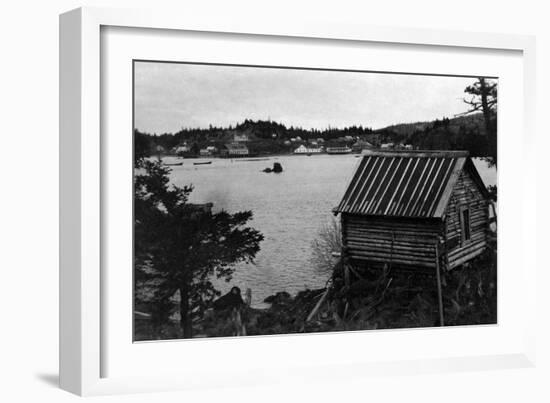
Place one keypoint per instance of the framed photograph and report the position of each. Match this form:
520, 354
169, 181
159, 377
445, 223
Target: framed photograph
243, 197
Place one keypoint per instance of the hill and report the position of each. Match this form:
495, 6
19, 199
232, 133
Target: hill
460, 133
474, 122
268, 137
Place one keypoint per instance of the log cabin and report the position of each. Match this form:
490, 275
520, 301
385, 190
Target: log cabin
416, 210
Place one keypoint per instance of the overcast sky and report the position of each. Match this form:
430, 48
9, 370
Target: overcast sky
169, 96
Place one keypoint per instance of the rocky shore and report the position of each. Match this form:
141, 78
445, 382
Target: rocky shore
384, 301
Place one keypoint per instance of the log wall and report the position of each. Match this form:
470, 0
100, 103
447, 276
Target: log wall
465, 194
401, 242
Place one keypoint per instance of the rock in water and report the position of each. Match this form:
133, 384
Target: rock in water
277, 168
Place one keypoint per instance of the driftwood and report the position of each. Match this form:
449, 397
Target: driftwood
374, 304
318, 305
356, 273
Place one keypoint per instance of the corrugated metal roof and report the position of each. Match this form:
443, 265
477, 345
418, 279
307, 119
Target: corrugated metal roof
402, 183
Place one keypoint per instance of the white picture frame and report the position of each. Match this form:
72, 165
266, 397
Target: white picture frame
82, 172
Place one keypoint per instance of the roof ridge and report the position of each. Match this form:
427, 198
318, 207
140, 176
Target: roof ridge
417, 153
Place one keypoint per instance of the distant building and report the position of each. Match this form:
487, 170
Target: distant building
387, 146
182, 149
320, 140
208, 151
361, 145
408, 147
234, 150
307, 150
439, 205
240, 137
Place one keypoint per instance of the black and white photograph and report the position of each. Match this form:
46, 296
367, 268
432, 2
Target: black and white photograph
272, 200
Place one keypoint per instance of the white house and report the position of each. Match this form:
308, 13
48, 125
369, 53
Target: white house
235, 150
307, 150
183, 148
238, 137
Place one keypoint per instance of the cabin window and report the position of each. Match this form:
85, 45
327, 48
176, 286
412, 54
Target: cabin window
465, 224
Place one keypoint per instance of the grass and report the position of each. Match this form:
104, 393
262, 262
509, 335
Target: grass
386, 301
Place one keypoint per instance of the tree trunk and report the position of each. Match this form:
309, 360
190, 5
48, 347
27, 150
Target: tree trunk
490, 127
185, 318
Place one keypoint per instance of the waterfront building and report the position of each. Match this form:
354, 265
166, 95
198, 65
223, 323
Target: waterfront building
302, 149
420, 210
235, 150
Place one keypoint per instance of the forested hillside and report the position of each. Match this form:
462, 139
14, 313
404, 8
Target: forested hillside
269, 137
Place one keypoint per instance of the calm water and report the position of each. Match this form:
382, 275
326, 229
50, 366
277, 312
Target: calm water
289, 208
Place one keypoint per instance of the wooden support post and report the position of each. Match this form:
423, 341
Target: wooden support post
347, 281
248, 297
439, 291
317, 306
492, 204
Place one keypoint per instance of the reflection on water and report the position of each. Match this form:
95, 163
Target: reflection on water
289, 209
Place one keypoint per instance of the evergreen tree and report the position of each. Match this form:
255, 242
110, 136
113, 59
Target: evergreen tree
180, 247
484, 98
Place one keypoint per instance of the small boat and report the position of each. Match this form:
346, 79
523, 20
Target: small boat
174, 164
202, 163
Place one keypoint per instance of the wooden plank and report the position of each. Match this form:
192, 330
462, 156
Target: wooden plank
396, 261
446, 195
386, 243
375, 232
466, 258
365, 226
317, 306
439, 291
387, 256
439, 189
461, 252
420, 242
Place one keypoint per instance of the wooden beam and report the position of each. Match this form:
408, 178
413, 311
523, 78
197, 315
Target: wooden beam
317, 306
446, 195
439, 291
